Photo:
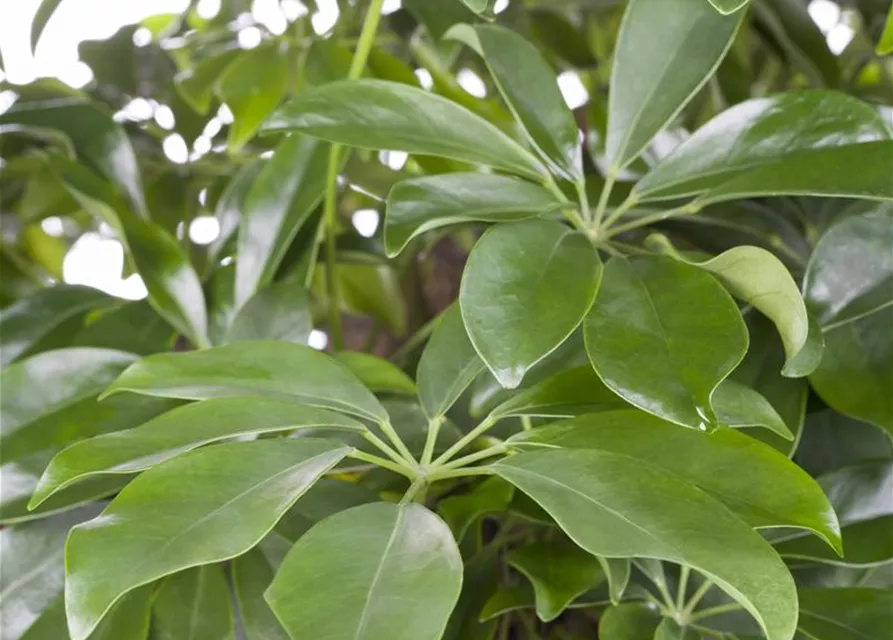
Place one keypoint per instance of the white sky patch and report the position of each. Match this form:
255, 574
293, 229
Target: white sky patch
390, 6
207, 9
249, 37
500, 5
424, 77
97, 262
204, 229
293, 9
324, 19
824, 13
174, 147
319, 340
269, 14
52, 226
164, 116
572, 89
839, 38
365, 221
472, 83
395, 160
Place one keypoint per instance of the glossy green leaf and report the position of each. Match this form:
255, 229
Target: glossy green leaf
135, 327
849, 287
352, 575
326, 498
196, 84
629, 621
667, 50
773, 140
377, 374
128, 618
617, 506
231, 204
257, 367
525, 288
179, 431
669, 629
559, 571
25, 323
663, 334
280, 200
726, 7
775, 493
377, 114
508, 599
460, 512
846, 614
280, 311
449, 364
564, 395
430, 202
251, 575
216, 503
737, 405
193, 605
529, 87
370, 289
252, 87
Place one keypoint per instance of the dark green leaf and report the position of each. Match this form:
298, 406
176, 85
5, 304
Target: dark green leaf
193, 605
388, 115
431, 202
616, 506
846, 614
45, 11
51, 624
507, 600
669, 629
205, 506
134, 327
460, 512
449, 364
352, 574
376, 374
258, 367
230, 206
831, 441
629, 621
526, 287
251, 575
667, 50
737, 405
663, 334
561, 37
179, 431
280, 311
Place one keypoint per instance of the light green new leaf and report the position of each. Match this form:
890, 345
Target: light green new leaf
262, 367
629, 621
775, 493
431, 202
281, 198
251, 575
774, 139
252, 87
352, 576
529, 87
449, 364
526, 287
179, 431
663, 334
559, 571
377, 374
377, 114
193, 605
846, 614
737, 405
280, 311
667, 50
885, 44
617, 506
849, 287
203, 507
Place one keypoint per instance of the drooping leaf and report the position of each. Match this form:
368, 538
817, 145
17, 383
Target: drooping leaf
772, 139
45, 11
377, 374
251, 575
280, 311
775, 493
530, 89
666, 51
179, 431
377, 114
205, 506
525, 288
254, 367
449, 364
193, 605
352, 574
845, 614
737, 405
431, 202
849, 287
616, 506
663, 334
280, 200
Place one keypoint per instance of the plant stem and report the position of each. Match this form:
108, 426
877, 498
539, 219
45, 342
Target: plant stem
430, 442
526, 423
625, 206
697, 596
583, 197
487, 424
603, 198
714, 611
389, 451
683, 585
457, 473
569, 213
417, 485
397, 441
474, 457
356, 454
644, 221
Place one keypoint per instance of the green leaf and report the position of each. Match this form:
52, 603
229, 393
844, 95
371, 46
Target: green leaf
203, 507
392, 554
559, 571
618, 506
849, 287
727, 7
526, 287
737, 405
45, 11
128, 618
257, 367
629, 621
281, 198
377, 374
564, 395
376, 114
667, 50
177, 432
775, 493
669, 629
449, 364
33, 572
617, 571
196, 84
529, 87
430, 202
845, 614
508, 599
50, 625
193, 605
280, 311
24, 324
326, 498
885, 44
135, 327
370, 289
774, 139
251, 575
460, 512
252, 86
230, 206
663, 335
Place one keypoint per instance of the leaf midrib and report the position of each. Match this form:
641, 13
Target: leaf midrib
361, 625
